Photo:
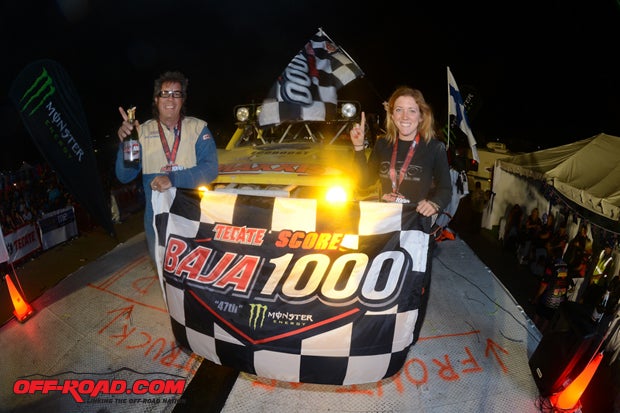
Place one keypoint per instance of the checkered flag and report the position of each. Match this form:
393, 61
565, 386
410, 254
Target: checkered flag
307, 89
273, 287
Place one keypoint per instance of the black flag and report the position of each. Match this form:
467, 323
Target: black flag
51, 110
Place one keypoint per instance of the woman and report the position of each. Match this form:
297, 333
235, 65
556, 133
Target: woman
410, 164
420, 173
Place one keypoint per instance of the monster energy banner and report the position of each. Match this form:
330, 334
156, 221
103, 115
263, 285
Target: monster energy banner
290, 289
52, 113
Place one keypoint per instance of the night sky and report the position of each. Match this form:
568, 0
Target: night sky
542, 75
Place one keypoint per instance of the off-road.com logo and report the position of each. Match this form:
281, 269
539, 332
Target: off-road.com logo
94, 388
41, 89
257, 315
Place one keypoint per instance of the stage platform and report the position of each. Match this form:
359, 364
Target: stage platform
107, 322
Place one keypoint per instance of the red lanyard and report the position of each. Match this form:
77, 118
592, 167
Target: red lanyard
403, 168
170, 156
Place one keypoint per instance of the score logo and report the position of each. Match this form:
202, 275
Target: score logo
309, 240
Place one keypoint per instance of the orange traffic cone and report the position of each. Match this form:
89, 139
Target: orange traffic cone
23, 310
568, 399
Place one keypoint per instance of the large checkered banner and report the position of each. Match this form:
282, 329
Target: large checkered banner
291, 289
307, 88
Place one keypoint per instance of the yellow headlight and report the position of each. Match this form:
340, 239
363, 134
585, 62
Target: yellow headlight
336, 194
243, 114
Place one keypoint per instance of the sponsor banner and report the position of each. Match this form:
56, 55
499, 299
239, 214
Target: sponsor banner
57, 227
51, 110
19, 244
4, 254
292, 289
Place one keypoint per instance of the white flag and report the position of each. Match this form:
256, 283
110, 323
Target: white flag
457, 108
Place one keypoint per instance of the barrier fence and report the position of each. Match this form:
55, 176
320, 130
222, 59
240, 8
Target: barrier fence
50, 230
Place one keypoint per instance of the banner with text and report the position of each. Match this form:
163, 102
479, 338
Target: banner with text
57, 227
51, 110
292, 289
4, 253
19, 243
308, 87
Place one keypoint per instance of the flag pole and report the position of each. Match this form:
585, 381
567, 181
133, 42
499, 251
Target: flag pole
448, 84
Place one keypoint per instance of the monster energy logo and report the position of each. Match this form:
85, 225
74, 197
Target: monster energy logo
41, 89
257, 315
38, 96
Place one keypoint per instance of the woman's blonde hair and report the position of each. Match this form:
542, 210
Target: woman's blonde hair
426, 128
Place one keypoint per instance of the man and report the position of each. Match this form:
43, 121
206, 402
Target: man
176, 150
602, 271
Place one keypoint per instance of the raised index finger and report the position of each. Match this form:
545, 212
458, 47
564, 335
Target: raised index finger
123, 113
363, 123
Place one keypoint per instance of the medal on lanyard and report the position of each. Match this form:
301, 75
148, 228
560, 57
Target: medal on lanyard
170, 155
396, 196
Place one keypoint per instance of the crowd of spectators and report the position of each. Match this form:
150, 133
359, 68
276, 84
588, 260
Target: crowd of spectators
533, 237
28, 193
558, 249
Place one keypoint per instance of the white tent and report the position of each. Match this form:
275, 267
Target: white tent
585, 172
